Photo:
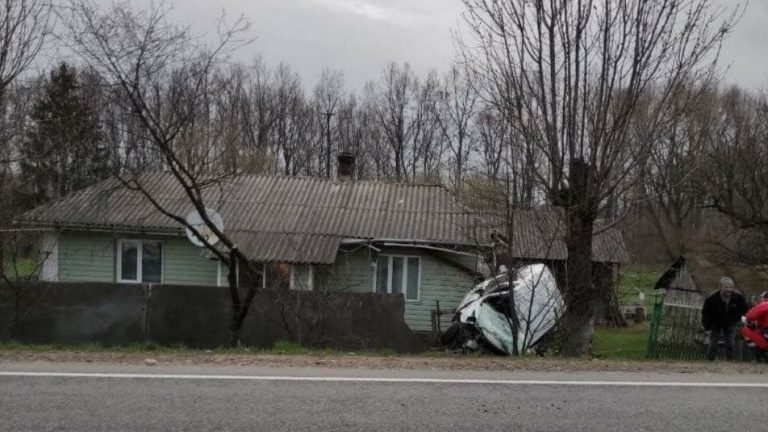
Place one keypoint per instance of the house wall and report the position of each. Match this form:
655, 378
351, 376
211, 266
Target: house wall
187, 264
354, 272
86, 258
90, 257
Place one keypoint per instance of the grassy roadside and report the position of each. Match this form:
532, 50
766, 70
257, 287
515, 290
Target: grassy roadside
369, 361
610, 344
621, 343
148, 348
614, 350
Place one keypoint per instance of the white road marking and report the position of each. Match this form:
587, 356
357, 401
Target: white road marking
383, 380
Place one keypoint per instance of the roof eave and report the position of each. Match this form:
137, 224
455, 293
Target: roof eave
403, 241
98, 228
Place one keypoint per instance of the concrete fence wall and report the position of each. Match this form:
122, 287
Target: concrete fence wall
199, 316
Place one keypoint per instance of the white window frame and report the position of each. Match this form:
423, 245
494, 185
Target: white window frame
294, 284
222, 281
139, 252
219, 273
389, 257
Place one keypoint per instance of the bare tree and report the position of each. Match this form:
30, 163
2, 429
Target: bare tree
428, 139
295, 124
329, 93
375, 137
25, 25
356, 128
460, 101
225, 116
394, 114
733, 174
260, 113
568, 76
668, 180
161, 73
492, 136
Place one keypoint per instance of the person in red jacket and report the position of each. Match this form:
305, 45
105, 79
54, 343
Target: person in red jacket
755, 332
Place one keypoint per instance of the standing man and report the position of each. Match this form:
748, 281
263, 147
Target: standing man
721, 312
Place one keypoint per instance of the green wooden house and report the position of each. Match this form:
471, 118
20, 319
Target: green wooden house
307, 233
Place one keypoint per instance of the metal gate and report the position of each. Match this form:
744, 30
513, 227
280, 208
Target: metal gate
676, 331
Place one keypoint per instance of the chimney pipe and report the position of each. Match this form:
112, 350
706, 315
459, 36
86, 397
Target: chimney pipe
346, 168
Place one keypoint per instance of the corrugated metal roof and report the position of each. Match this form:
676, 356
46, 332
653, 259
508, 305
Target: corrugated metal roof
301, 248
274, 218
540, 234
301, 219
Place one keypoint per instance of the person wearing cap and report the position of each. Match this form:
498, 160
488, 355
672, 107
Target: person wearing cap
754, 332
720, 315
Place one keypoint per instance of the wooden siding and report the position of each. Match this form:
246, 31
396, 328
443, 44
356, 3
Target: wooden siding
439, 281
187, 264
354, 272
89, 257
86, 258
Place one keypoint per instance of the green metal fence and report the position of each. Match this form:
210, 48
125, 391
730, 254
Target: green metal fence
676, 331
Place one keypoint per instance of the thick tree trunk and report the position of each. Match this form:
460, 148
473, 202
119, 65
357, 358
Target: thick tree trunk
240, 306
607, 285
581, 295
234, 331
233, 279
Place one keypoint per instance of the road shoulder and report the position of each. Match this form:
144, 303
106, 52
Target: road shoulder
375, 362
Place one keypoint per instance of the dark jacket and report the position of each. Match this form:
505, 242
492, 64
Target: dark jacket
715, 315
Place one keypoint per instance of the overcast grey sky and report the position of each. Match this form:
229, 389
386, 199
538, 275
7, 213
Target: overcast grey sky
361, 36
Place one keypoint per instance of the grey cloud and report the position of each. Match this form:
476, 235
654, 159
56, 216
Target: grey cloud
361, 36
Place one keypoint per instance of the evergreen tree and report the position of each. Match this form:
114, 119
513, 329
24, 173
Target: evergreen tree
63, 149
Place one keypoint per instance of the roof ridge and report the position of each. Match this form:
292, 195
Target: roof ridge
339, 182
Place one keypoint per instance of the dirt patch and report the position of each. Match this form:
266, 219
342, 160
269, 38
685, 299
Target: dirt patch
441, 362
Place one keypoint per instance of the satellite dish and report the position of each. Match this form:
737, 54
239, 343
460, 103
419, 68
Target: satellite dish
196, 221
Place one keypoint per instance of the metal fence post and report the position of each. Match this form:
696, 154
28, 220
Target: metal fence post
658, 305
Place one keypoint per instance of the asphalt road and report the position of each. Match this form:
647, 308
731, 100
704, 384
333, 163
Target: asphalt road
296, 399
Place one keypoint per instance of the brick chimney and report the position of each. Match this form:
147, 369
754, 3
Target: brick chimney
346, 166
